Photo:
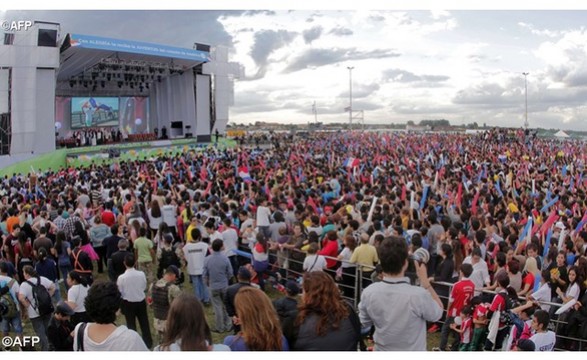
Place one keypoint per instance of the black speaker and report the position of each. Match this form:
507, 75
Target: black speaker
177, 124
202, 47
188, 135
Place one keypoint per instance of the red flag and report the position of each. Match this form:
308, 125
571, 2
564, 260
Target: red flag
474, 206
459, 194
403, 197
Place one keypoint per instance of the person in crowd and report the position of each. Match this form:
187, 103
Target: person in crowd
62, 252
132, 285
60, 328
82, 263
324, 322
287, 306
313, 261
217, 274
243, 277
102, 334
98, 232
9, 286
46, 267
543, 339
76, 296
260, 327
194, 253
39, 312
186, 327
161, 296
116, 262
145, 255
383, 304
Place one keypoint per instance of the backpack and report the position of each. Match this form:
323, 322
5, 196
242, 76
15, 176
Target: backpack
168, 258
8, 307
42, 298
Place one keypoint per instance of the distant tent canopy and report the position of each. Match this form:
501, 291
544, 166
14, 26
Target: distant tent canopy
561, 135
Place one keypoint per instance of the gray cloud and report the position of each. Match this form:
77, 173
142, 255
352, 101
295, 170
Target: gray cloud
258, 12
341, 31
312, 34
176, 28
361, 90
403, 76
314, 58
376, 18
266, 42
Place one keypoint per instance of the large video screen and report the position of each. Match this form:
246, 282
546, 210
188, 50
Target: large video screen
88, 112
134, 115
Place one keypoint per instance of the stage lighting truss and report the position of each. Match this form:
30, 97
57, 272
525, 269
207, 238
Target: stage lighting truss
113, 71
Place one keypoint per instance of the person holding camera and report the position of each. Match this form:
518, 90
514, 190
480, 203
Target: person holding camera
383, 304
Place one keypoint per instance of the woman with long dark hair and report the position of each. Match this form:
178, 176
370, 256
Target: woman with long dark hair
155, 217
62, 251
324, 322
46, 267
23, 254
76, 295
260, 327
187, 328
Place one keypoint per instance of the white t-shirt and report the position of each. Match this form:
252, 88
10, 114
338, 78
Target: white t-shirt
346, 254
168, 213
194, 253
27, 291
121, 339
263, 214
230, 240
313, 264
543, 294
544, 341
480, 275
77, 294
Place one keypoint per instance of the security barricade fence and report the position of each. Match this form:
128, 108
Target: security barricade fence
290, 268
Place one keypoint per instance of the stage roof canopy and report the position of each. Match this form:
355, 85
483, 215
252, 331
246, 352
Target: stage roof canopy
81, 54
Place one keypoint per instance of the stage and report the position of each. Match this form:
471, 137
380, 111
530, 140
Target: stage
85, 156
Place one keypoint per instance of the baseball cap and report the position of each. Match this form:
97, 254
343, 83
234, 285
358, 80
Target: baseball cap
244, 273
172, 269
292, 287
63, 308
560, 225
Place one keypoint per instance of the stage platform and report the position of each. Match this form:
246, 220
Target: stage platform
86, 156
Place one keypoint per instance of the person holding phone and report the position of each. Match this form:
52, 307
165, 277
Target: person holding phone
383, 304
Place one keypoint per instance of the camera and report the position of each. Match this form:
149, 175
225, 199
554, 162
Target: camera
421, 256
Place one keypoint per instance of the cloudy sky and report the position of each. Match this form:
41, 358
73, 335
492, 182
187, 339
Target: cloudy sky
463, 66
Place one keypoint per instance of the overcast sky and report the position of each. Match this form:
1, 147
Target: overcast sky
463, 66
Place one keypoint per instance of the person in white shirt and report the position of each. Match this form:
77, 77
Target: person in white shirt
543, 339
102, 304
313, 261
194, 253
263, 217
544, 292
480, 276
27, 299
132, 285
76, 295
230, 240
169, 214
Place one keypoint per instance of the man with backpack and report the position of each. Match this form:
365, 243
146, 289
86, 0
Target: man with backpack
35, 294
168, 256
9, 301
161, 295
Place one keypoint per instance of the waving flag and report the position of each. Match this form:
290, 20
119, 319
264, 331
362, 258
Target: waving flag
243, 173
351, 162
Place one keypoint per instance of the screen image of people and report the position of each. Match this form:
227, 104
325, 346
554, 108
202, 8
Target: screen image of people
94, 112
134, 115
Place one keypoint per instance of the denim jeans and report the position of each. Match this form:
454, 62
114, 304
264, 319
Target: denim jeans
200, 289
221, 320
65, 269
40, 325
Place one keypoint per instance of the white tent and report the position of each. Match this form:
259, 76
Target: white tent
561, 135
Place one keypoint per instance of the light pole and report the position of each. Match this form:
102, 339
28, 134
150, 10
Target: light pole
526, 96
350, 95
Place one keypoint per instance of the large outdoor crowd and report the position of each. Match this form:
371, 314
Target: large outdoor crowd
375, 240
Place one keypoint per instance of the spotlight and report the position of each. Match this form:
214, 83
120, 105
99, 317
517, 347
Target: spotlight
71, 83
147, 85
120, 84
85, 84
108, 76
102, 83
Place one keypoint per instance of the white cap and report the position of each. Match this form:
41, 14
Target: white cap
560, 225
